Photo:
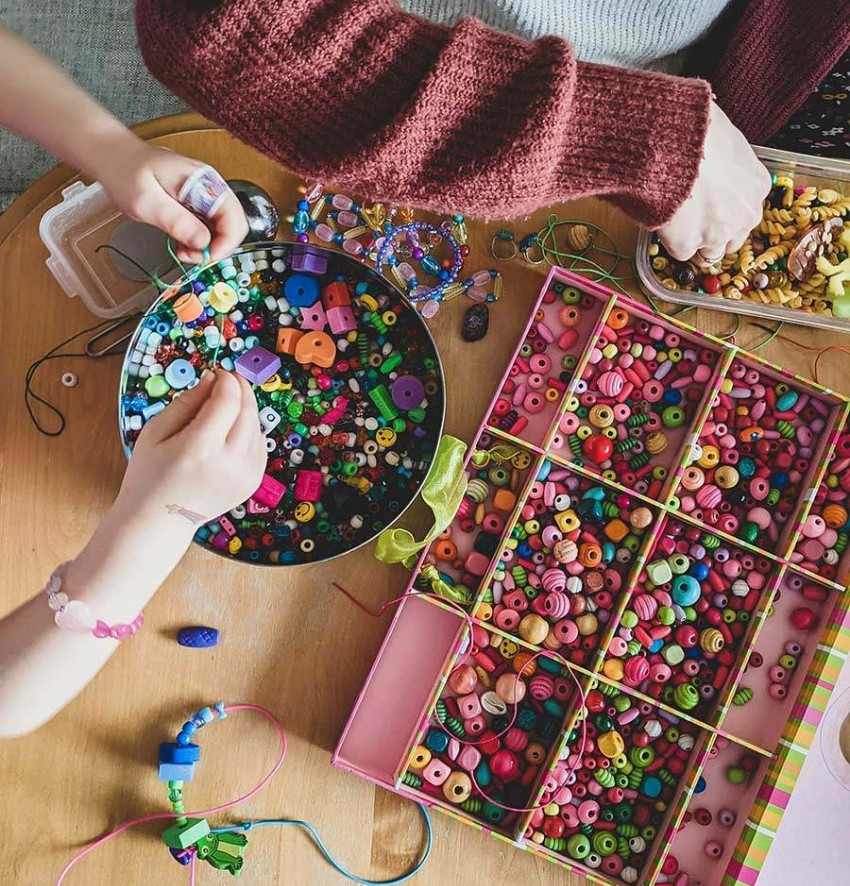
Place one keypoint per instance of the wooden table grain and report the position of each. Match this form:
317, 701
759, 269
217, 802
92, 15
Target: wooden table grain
288, 641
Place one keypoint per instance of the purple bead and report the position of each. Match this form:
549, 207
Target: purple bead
199, 637
257, 365
407, 392
418, 254
305, 258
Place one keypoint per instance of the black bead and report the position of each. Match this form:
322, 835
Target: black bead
476, 322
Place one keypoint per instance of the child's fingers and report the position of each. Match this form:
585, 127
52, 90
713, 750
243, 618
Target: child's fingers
181, 410
229, 228
215, 418
165, 213
247, 425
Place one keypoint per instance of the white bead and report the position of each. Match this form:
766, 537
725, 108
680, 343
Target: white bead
69, 379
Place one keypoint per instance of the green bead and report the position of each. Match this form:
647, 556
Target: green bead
686, 696
182, 836
578, 847
673, 417
629, 619
642, 756
736, 775
604, 843
666, 615
157, 386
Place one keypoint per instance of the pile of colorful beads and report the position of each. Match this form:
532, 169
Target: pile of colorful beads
346, 377
464, 551
492, 729
538, 378
753, 456
637, 397
575, 543
604, 808
825, 533
796, 258
687, 617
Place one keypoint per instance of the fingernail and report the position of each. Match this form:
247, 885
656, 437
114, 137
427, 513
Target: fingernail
207, 373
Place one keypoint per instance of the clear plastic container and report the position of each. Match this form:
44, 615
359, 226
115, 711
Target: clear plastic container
75, 232
805, 170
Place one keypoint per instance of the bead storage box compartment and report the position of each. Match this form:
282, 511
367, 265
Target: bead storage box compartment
657, 660
791, 287
348, 383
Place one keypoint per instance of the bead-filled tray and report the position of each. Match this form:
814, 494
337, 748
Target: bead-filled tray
617, 654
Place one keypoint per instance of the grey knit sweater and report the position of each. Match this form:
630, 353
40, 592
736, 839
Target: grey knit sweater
95, 42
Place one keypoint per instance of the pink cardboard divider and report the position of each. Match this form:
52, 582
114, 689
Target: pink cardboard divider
398, 689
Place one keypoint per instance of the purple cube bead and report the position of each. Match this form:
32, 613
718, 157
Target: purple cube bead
407, 392
257, 365
309, 259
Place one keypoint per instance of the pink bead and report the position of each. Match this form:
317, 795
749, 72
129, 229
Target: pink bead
469, 758
504, 764
436, 772
588, 812
469, 706
777, 691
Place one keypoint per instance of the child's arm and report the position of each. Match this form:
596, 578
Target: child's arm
200, 457
456, 119
40, 102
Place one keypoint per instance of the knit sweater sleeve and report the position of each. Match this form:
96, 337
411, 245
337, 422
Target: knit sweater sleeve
395, 107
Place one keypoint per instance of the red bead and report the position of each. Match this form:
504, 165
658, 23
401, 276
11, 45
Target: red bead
803, 618
711, 284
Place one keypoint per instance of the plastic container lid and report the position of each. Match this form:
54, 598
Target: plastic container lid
75, 232
806, 170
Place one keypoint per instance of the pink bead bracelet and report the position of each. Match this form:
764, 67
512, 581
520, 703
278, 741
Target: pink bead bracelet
74, 615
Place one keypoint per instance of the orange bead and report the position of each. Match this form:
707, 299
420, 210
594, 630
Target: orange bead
590, 554
617, 319
316, 347
287, 339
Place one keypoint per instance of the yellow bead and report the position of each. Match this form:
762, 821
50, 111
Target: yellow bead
613, 669
222, 298
611, 744
420, 757
533, 629
273, 384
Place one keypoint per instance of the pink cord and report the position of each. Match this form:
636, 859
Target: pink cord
161, 816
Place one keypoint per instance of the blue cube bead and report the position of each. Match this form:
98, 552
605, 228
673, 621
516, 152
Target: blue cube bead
176, 771
169, 752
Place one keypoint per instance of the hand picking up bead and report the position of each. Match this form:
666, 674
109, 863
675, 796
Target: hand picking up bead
754, 453
608, 812
347, 382
796, 257
687, 617
575, 543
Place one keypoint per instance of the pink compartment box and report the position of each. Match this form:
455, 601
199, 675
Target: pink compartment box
702, 847
688, 617
543, 366
605, 808
484, 745
407, 694
639, 392
756, 454
823, 546
574, 547
780, 659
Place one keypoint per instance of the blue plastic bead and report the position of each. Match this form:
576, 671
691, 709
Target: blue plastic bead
189, 728
183, 739
219, 707
169, 752
198, 637
437, 741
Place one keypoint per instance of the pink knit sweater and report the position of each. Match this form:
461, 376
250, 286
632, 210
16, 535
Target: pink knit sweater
462, 118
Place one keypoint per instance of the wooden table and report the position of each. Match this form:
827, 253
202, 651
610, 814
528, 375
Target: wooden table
288, 642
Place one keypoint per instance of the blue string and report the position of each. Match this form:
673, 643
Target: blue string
305, 825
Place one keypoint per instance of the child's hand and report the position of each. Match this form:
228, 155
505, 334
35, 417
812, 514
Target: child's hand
201, 456
726, 201
143, 181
